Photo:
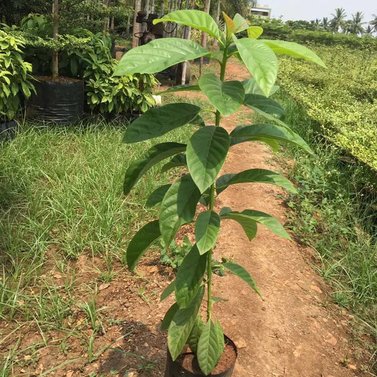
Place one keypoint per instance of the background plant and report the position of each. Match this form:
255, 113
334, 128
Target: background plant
204, 155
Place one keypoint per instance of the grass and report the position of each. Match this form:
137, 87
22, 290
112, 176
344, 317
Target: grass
61, 199
335, 213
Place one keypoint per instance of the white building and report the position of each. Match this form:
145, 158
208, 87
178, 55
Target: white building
263, 11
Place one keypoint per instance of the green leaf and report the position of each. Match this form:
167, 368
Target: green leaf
261, 62
265, 104
251, 87
182, 324
254, 32
240, 24
177, 161
154, 155
254, 175
195, 18
266, 133
196, 331
168, 318
265, 219
168, 291
206, 152
157, 195
178, 207
189, 277
226, 96
210, 346
295, 50
158, 55
239, 271
160, 120
140, 243
207, 228
248, 225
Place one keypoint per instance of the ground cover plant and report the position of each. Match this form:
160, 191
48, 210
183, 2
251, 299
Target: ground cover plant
341, 100
204, 154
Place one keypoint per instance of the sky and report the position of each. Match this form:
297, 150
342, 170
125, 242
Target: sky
312, 9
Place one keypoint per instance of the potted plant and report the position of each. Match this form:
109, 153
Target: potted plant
190, 336
15, 82
57, 99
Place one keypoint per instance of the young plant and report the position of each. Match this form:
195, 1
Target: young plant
204, 155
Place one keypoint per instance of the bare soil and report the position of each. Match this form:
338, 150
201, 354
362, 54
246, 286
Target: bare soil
296, 331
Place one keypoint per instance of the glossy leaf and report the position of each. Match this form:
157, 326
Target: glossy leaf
196, 331
194, 18
266, 133
255, 176
182, 324
240, 23
160, 120
210, 346
189, 277
168, 318
206, 153
154, 155
261, 62
158, 55
254, 32
141, 242
251, 87
226, 96
177, 161
168, 291
178, 207
207, 228
243, 274
249, 225
295, 50
157, 195
265, 104
262, 218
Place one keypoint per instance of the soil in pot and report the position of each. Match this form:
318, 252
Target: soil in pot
58, 100
187, 365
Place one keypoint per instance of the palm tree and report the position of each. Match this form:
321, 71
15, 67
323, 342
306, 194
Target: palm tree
356, 24
373, 23
369, 30
338, 19
325, 23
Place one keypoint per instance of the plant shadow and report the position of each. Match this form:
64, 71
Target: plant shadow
142, 353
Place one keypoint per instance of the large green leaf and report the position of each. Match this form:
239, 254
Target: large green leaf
140, 243
240, 24
251, 87
248, 225
182, 324
266, 133
196, 331
177, 161
160, 120
154, 155
251, 216
158, 55
206, 152
189, 277
168, 318
195, 18
157, 195
293, 49
254, 175
168, 291
178, 207
210, 346
254, 32
226, 96
261, 62
239, 271
265, 104
207, 228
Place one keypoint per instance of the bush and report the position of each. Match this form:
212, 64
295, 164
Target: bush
15, 79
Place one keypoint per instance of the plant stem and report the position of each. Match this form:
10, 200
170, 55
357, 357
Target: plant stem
212, 200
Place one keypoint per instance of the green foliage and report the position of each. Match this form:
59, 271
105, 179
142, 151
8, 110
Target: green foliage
341, 100
15, 80
205, 153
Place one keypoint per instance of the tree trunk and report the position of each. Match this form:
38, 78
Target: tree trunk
55, 32
136, 26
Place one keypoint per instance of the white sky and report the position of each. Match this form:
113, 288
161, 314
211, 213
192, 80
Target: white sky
310, 10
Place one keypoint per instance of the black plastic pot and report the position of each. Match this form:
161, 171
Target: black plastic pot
8, 130
175, 369
59, 101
